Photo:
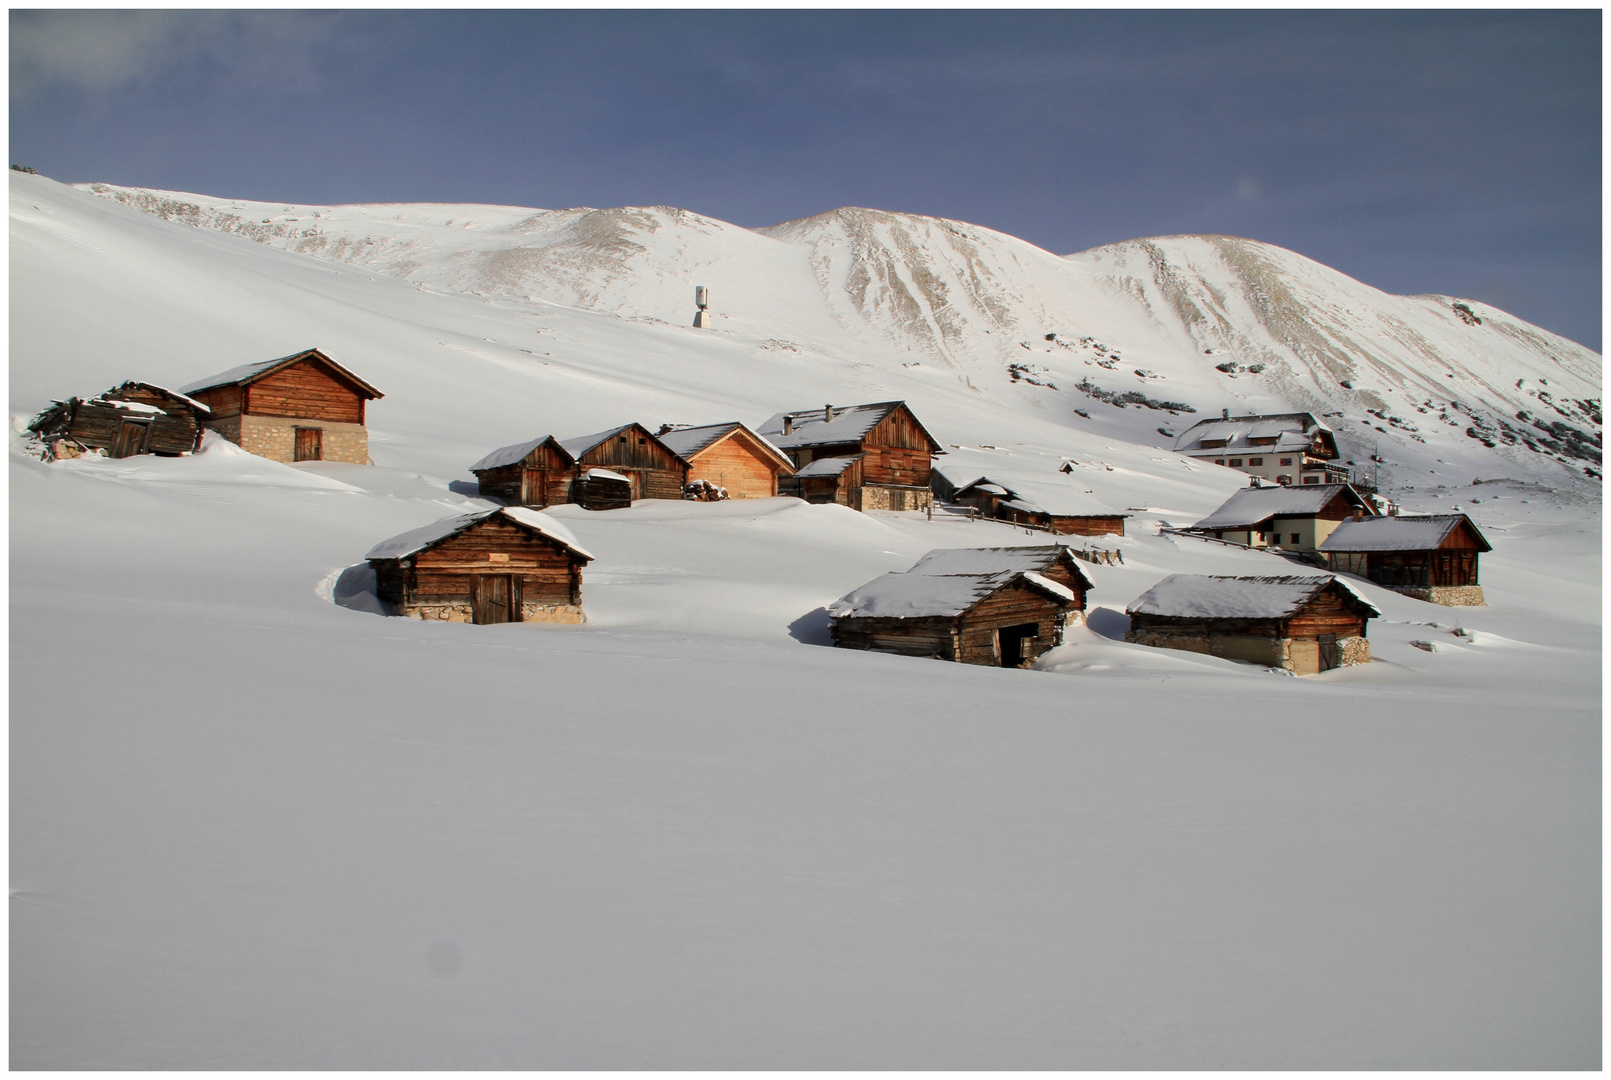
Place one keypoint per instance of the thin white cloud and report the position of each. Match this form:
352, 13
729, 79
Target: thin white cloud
100, 52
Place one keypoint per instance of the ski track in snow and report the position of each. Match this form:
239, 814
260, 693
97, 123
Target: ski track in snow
253, 827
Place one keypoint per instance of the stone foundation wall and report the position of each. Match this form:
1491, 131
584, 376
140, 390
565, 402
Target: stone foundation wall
440, 612
1352, 650
571, 614
879, 497
274, 437
1449, 595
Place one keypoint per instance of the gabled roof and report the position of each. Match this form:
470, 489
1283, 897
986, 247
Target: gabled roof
250, 373
827, 466
510, 455
949, 581
428, 536
1253, 506
163, 390
689, 442
1199, 596
1292, 432
1059, 497
583, 444
1418, 533
850, 424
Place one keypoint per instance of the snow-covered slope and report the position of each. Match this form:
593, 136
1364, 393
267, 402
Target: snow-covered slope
1198, 322
255, 824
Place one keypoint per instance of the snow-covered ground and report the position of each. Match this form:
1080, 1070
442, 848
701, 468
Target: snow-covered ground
253, 826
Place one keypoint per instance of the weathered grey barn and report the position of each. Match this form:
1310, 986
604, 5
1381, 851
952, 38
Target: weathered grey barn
1062, 509
992, 606
134, 418
1431, 557
1303, 623
509, 564
652, 469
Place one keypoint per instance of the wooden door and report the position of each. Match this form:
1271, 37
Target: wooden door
494, 598
130, 440
1305, 656
309, 444
533, 487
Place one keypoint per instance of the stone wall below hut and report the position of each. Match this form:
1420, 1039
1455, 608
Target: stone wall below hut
274, 437
1449, 595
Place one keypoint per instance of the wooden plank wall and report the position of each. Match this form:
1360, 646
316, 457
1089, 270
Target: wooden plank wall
933, 636
222, 400
660, 473
1327, 613
742, 471
305, 391
1010, 605
548, 575
897, 451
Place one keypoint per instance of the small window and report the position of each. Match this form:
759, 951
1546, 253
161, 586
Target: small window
1284, 480
643, 442
1236, 463
1286, 461
1255, 461
1294, 537
621, 440
1311, 479
1219, 461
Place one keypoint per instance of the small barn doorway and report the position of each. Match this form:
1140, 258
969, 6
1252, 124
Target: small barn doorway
131, 435
1012, 639
494, 598
309, 444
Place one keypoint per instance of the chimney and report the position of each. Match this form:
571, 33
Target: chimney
1225, 414
1359, 513
827, 414
788, 423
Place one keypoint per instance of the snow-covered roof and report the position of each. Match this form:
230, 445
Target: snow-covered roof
949, 581
1418, 533
250, 372
828, 466
176, 395
606, 474
1252, 506
581, 444
1059, 496
509, 455
133, 406
689, 441
1292, 432
850, 424
1198, 596
417, 540
1030, 558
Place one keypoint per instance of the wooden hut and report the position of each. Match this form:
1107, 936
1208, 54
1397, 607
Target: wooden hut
1431, 557
1000, 607
1291, 518
510, 564
1062, 509
652, 469
302, 407
1303, 623
731, 456
881, 456
535, 473
134, 418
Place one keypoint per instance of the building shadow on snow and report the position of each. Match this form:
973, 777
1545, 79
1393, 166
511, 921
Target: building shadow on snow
1108, 623
812, 628
472, 488
354, 588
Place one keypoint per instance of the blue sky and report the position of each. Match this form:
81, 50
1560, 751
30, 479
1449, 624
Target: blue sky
1439, 151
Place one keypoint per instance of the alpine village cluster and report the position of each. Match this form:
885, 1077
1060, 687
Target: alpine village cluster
1000, 606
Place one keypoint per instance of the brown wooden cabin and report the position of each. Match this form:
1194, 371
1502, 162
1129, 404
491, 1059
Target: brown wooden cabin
893, 455
1291, 518
302, 407
1302, 623
731, 456
1057, 508
134, 418
511, 564
653, 469
1432, 557
1000, 607
536, 473
601, 489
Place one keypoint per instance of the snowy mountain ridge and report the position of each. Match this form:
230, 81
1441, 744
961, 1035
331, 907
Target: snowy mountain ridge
1166, 325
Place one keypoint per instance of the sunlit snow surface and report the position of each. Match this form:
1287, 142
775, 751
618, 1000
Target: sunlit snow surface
252, 827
